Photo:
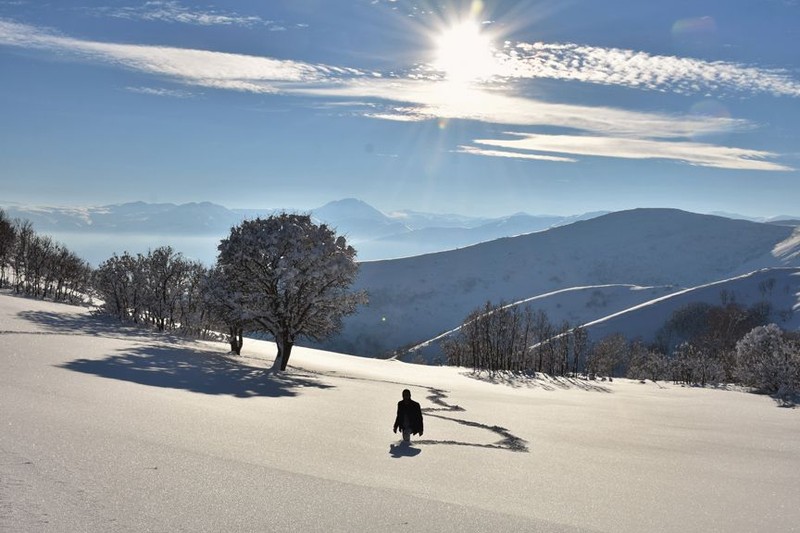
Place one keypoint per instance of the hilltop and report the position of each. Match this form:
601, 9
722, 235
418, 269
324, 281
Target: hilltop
611, 263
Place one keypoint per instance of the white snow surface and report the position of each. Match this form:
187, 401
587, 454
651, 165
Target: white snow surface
107, 428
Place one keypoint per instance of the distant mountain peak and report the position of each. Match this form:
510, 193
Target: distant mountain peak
349, 208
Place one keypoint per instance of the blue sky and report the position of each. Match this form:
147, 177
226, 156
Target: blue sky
484, 108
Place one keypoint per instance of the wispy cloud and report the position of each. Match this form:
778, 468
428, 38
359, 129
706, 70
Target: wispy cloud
173, 12
196, 67
160, 91
693, 153
628, 68
432, 99
474, 150
588, 130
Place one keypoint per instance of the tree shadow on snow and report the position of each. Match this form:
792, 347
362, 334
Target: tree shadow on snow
536, 381
92, 324
196, 371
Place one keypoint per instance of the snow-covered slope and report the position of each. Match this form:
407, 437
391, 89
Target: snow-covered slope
108, 429
576, 305
418, 298
780, 287
638, 320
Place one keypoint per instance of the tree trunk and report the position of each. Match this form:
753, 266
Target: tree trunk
284, 351
235, 339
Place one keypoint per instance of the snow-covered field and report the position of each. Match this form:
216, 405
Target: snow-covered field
106, 428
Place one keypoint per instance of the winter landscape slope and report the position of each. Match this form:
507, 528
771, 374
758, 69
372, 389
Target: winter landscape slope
779, 287
579, 272
111, 429
418, 298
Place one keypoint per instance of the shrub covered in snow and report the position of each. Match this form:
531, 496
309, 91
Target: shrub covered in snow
769, 360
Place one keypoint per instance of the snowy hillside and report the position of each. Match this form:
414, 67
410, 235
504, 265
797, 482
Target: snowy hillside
418, 298
778, 286
111, 429
576, 305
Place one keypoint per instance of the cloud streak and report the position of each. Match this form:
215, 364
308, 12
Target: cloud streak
196, 67
693, 153
173, 12
588, 130
628, 68
160, 91
512, 155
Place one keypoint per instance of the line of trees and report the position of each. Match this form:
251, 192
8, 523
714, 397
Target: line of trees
284, 276
766, 358
162, 289
700, 344
37, 266
516, 338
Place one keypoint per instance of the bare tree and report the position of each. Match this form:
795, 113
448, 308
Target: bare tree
607, 355
647, 363
580, 343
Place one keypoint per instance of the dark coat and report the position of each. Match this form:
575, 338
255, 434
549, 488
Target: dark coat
411, 408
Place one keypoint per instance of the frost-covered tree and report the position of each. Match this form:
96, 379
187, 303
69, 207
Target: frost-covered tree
769, 361
167, 276
8, 239
294, 278
607, 356
119, 283
23, 229
714, 330
161, 288
647, 363
225, 304
696, 364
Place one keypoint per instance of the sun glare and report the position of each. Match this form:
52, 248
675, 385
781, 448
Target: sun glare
464, 53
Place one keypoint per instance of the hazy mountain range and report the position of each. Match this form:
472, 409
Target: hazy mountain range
196, 228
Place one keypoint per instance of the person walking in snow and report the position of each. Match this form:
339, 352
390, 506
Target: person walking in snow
409, 417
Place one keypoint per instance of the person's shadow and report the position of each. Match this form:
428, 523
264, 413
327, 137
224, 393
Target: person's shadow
403, 449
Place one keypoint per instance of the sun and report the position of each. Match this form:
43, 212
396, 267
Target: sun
464, 53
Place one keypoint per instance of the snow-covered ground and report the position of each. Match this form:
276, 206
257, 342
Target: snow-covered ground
106, 428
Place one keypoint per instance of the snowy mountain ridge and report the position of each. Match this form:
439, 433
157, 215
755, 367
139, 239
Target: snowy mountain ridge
618, 261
